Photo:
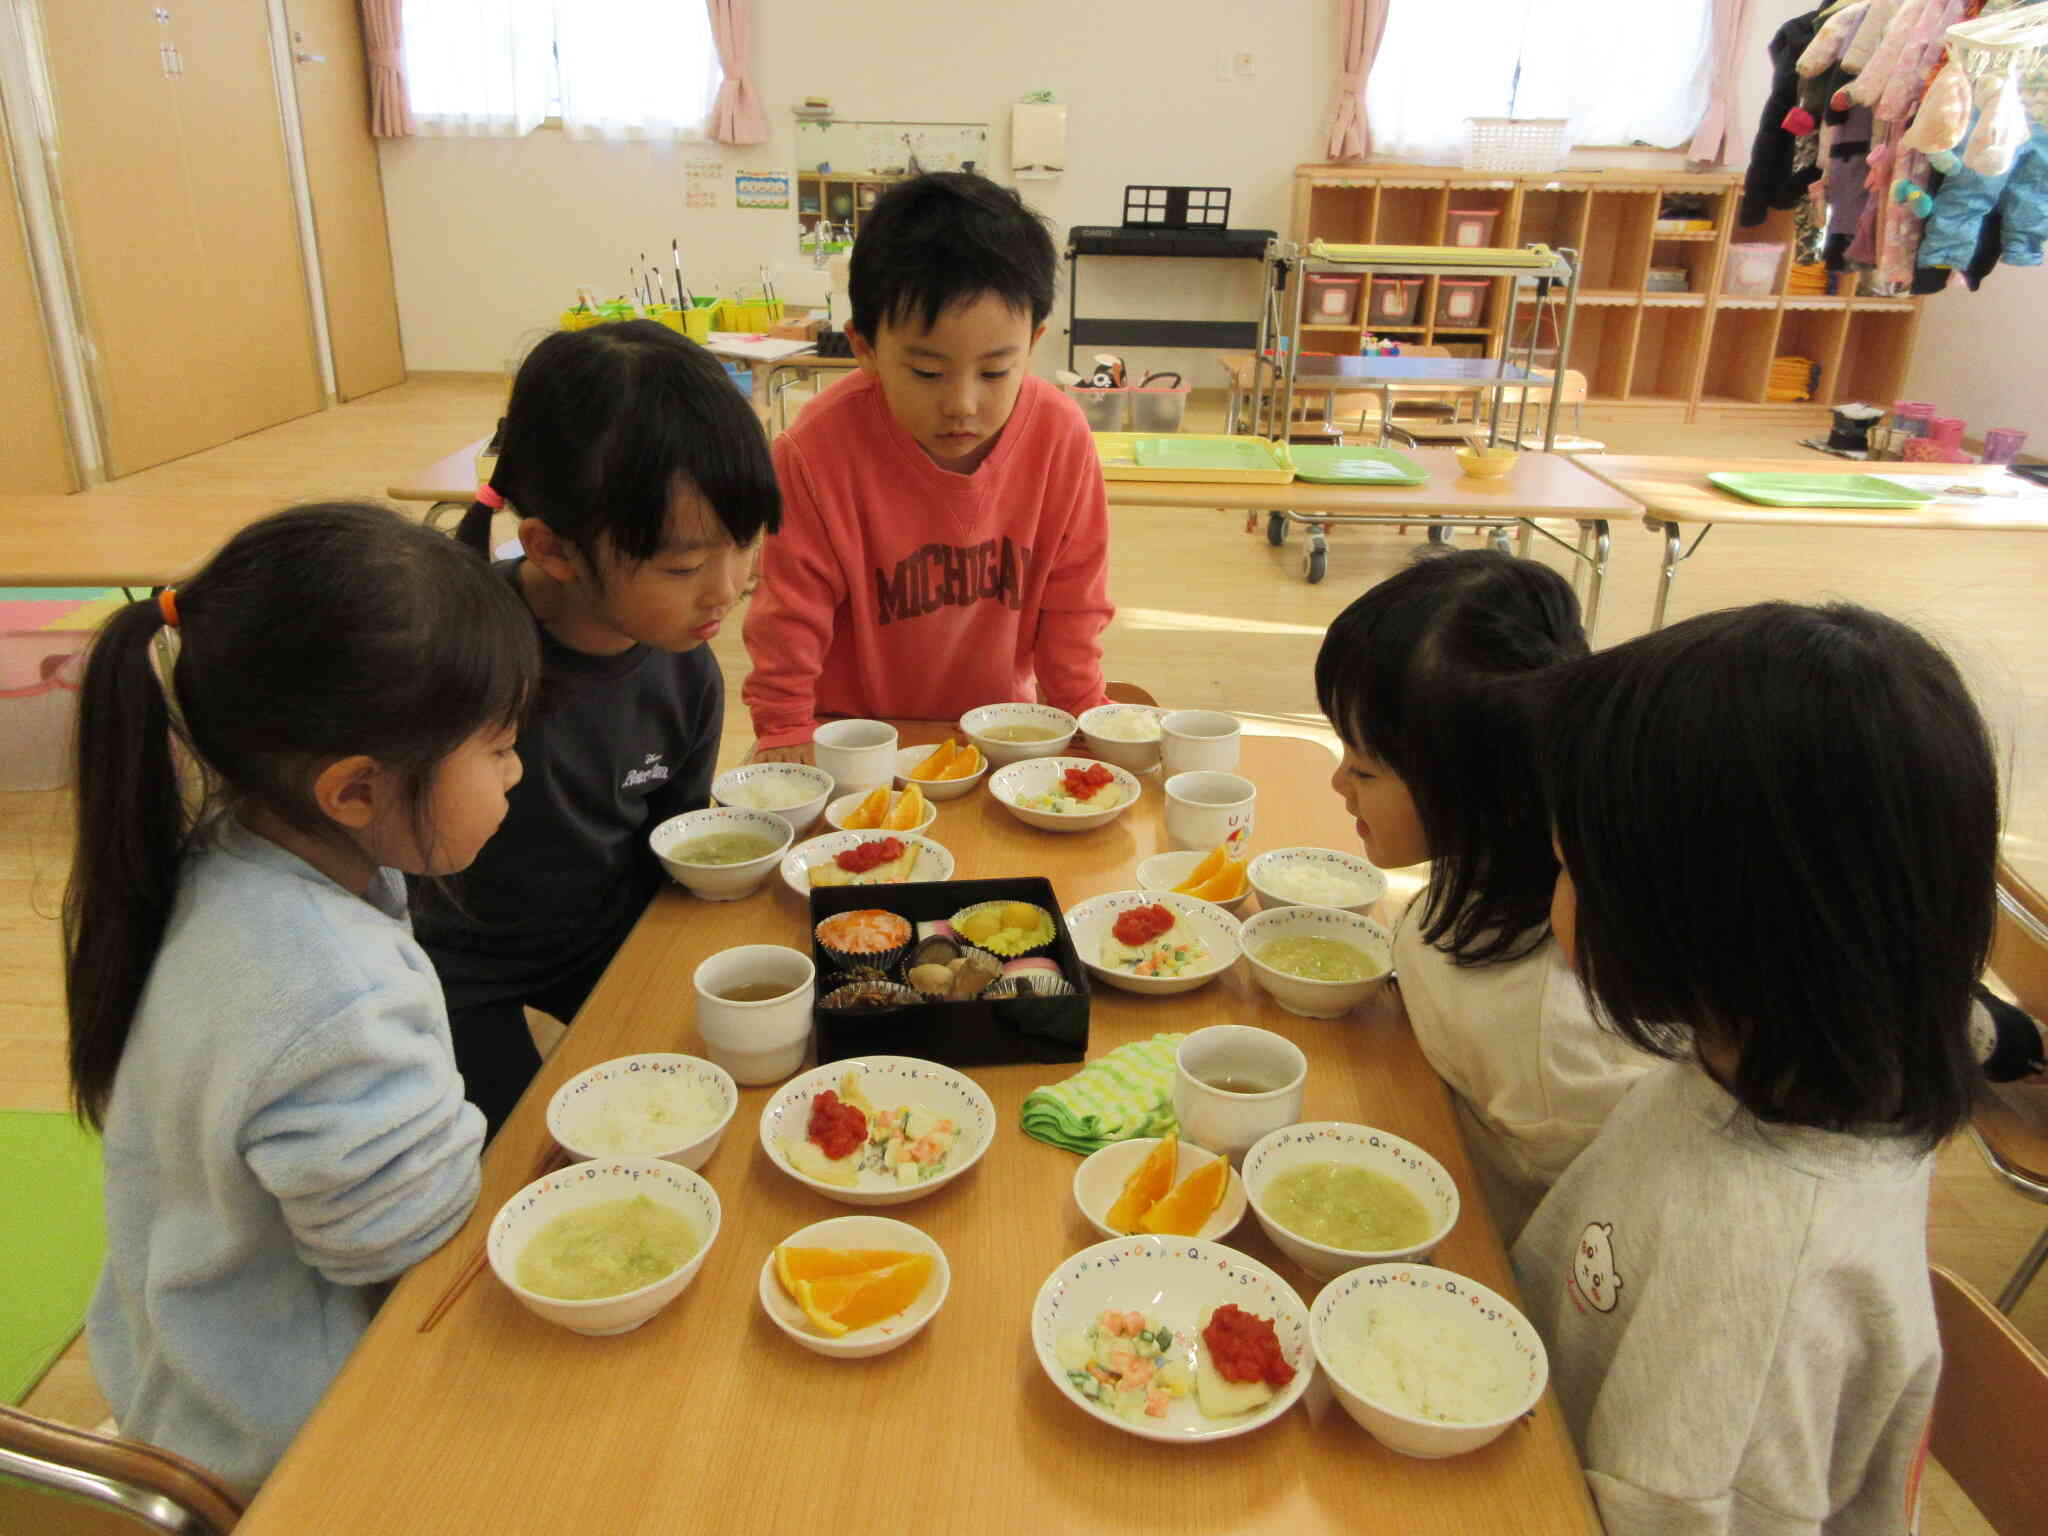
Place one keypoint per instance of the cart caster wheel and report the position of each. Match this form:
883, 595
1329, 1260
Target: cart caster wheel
1314, 563
1276, 527
1498, 537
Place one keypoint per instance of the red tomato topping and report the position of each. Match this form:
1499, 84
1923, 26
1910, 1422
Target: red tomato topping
1245, 1347
836, 1126
1083, 782
862, 857
1142, 924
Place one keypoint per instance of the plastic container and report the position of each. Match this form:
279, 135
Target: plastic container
1461, 301
1516, 143
1160, 408
746, 314
1107, 410
2002, 445
39, 673
1470, 226
1910, 418
1947, 431
742, 378
1668, 280
1753, 267
1332, 299
1395, 300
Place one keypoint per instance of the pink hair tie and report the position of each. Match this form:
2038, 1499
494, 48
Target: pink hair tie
489, 496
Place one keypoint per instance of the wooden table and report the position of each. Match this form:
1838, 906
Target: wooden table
707, 1418
113, 538
1540, 485
1675, 493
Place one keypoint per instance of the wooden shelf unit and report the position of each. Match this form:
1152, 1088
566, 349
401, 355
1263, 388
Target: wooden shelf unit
822, 194
1687, 354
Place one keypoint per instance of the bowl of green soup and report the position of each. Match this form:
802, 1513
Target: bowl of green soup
723, 853
1332, 1196
1319, 962
600, 1247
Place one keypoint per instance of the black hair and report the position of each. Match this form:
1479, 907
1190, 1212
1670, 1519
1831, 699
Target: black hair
1782, 824
1426, 673
944, 239
605, 425
316, 633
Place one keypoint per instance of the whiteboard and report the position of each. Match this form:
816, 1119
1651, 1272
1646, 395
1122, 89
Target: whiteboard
885, 148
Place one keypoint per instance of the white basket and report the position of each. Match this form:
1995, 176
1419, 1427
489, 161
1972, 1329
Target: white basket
1516, 143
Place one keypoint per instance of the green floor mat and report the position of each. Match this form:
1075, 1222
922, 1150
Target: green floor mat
53, 1237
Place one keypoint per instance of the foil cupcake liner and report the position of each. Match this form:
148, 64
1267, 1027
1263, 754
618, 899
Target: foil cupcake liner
869, 996
1051, 927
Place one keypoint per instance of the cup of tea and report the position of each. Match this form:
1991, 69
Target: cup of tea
859, 754
1204, 809
754, 1010
1191, 740
1233, 1084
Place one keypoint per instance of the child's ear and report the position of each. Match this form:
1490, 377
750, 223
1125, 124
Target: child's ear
351, 791
1036, 337
546, 549
863, 350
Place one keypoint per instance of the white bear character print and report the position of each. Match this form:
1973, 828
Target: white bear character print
1595, 1279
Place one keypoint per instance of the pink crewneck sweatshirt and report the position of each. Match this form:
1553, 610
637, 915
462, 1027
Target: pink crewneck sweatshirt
897, 589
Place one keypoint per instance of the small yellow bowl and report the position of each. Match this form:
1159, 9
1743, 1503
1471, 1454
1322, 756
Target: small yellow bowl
1487, 463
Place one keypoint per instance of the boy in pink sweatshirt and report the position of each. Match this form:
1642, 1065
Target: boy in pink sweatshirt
945, 533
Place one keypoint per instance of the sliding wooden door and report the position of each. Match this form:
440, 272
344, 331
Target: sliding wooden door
35, 454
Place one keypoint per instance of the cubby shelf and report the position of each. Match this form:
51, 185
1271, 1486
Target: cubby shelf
1668, 350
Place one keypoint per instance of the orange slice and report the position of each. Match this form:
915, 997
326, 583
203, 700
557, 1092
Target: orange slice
870, 811
1205, 871
1226, 885
934, 767
907, 812
1152, 1178
1193, 1201
842, 1303
966, 763
794, 1264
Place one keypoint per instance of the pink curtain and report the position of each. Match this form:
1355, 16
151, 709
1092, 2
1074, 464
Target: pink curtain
1717, 127
390, 112
736, 115
1364, 23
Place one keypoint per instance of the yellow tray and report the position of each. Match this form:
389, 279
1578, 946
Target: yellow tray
1192, 457
1536, 259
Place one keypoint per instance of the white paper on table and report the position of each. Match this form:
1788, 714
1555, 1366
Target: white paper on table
754, 345
1949, 488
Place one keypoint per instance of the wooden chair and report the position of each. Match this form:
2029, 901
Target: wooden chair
2014, 1140
1129, 693
62, 1481
1990, 1430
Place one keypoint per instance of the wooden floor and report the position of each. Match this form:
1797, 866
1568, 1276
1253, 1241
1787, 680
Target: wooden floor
1207, 615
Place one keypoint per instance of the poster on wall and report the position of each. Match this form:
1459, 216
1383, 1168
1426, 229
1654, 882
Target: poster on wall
702, 181
761, 189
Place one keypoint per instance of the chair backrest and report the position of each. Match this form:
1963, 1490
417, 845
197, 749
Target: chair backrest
1991, 1411
60, 1481
2019, 950
1129, 693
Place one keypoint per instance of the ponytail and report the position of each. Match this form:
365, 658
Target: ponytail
475, 528
131, 829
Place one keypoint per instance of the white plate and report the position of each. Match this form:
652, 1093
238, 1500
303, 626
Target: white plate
838, 810
888, 1082
934, 862
908, 758
1090, 921
858, 1232
1173, 1280
1036, 775
1163, 871
1100, 1179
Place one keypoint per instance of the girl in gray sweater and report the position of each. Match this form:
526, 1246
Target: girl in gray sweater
253, 1028
1777, 828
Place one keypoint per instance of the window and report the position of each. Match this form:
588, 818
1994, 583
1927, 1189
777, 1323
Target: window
1623, 71
627, 69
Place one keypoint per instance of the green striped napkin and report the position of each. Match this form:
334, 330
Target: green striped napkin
1125, 1094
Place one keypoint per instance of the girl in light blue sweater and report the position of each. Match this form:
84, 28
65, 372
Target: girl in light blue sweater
253, 1029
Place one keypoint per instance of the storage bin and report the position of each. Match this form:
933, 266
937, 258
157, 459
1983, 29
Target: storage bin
742, 378
1516, 143
1461, 301
1470, 226
1159, 409
746, 314
1668, 280
39, 673
1106, 409
1753, 267
1395, 300
1332, 299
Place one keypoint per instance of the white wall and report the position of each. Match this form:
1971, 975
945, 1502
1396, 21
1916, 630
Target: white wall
1983, 356
490, 237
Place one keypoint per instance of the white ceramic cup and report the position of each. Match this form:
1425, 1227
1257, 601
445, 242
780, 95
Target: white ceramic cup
1230, 1120
1194, 739
859, 754
1204, 809
757, 1042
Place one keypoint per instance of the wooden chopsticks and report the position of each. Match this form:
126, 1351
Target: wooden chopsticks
553, 1158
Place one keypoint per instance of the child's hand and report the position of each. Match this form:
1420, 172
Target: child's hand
797, 752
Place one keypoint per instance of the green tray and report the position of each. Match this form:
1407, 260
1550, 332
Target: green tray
1849, 492
1191, 457
1321, 464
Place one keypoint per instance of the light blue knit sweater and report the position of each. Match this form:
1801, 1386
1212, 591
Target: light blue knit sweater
287, 1129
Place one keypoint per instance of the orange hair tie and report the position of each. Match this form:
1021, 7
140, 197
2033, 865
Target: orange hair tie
167, 605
